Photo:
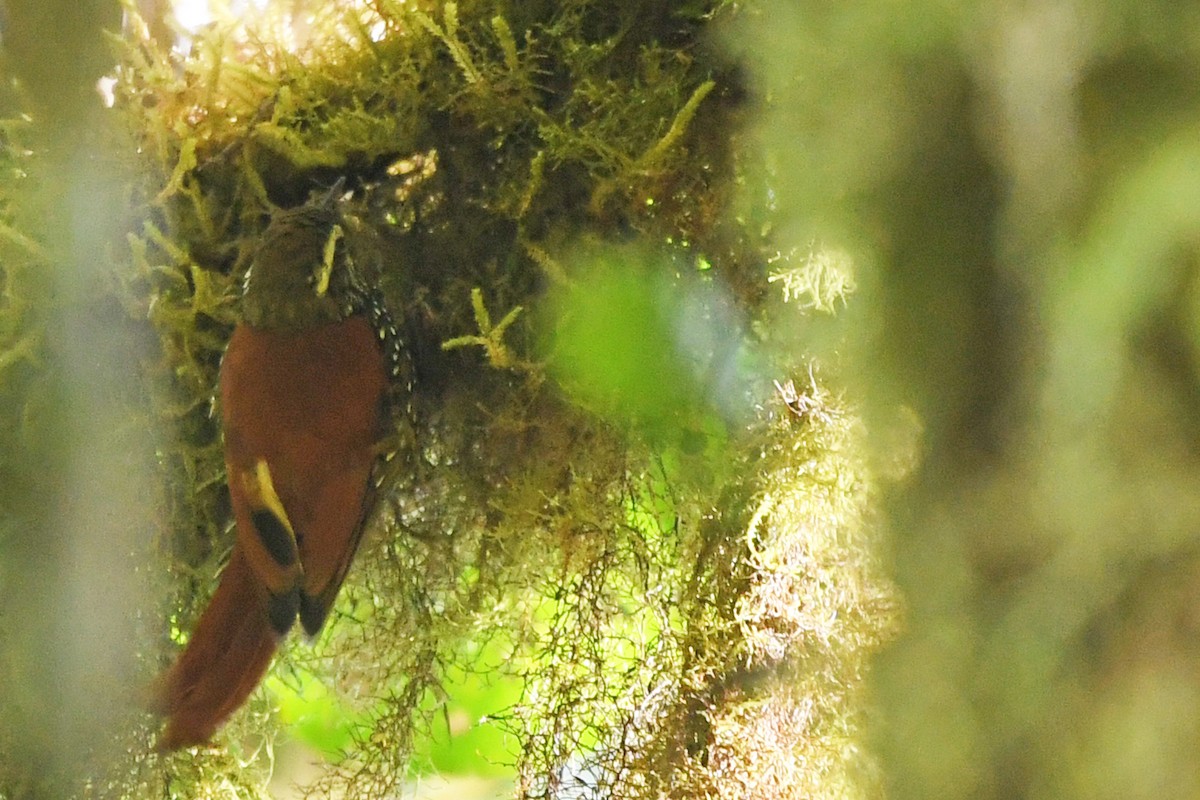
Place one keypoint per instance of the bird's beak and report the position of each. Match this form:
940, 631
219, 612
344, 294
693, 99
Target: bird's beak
335, 233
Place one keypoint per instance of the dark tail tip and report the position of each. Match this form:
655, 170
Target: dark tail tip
282, 610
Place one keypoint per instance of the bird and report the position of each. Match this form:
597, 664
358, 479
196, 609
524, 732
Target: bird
307, 380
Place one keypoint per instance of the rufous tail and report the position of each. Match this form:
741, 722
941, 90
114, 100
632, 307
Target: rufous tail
224, 660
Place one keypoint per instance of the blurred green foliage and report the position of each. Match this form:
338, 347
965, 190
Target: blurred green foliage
633, 339
76, 445
1016, 185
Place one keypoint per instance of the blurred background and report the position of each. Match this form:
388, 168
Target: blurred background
1015, 187
1018, 182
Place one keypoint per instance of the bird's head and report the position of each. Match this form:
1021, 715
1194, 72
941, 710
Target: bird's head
301, 274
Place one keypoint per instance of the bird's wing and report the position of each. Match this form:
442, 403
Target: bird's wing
268, 540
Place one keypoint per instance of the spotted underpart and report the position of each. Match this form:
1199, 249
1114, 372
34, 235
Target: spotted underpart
359, 298
371, 303
395, 351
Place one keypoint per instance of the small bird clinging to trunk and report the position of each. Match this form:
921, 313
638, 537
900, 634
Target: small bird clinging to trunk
305, 382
